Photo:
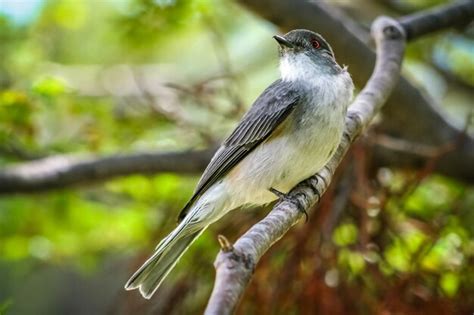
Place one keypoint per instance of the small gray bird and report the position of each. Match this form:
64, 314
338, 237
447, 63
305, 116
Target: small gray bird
289, 134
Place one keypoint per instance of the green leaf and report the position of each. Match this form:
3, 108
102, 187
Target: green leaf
449, 283
49, 86
345, 234
353, 260
397, 256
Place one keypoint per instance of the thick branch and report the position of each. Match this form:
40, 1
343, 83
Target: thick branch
62, 171
459, 13
234, 267
409, 113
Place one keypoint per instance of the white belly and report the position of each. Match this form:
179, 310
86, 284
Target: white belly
302, 149
283, 162
286, 160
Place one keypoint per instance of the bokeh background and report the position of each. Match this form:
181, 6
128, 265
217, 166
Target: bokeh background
108, 77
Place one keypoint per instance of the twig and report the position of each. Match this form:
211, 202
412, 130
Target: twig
175, 114
402, 145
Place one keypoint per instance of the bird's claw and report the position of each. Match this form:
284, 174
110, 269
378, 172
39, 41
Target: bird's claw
284, 197
278, 193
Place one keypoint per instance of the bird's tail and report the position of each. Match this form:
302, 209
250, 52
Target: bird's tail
205, 211
150, 275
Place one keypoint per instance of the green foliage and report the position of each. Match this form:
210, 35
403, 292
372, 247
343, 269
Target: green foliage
49, 87
353, 261
79, 227
449, 283
345, 234
454, 55
58, 95
4, 305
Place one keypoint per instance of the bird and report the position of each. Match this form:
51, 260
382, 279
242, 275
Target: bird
289, 133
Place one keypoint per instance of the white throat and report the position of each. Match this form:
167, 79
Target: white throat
325, 87
299, 67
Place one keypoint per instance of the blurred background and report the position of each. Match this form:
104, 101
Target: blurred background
82, 78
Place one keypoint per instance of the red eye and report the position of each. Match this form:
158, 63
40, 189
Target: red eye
315, 43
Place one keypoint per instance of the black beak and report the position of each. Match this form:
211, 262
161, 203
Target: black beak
283, 41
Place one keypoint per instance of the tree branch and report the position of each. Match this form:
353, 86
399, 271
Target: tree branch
235, 265
61, 171
410, 113
457, 14
412, 116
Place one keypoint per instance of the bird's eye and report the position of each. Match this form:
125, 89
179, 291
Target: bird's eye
315, 43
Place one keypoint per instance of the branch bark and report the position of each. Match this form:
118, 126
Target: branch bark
235, 265
458, 14
62, 171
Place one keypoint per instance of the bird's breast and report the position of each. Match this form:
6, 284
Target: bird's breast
302, 146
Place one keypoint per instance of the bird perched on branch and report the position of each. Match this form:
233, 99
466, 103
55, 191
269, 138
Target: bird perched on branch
288, 135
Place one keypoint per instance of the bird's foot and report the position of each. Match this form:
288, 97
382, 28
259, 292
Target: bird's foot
284, 197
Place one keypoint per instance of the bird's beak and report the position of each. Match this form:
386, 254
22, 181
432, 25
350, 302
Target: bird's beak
283, 41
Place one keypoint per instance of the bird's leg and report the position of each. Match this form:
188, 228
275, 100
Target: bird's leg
284, 197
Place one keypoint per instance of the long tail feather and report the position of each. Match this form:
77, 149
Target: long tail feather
150, 275
205, 211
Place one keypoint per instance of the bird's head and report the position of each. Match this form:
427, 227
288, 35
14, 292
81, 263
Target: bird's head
303, 49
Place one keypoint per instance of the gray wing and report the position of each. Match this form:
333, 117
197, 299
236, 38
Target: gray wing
269, 110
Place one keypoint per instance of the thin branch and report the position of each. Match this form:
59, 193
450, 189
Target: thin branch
420, 149
62, 171
234, 267
173, 113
